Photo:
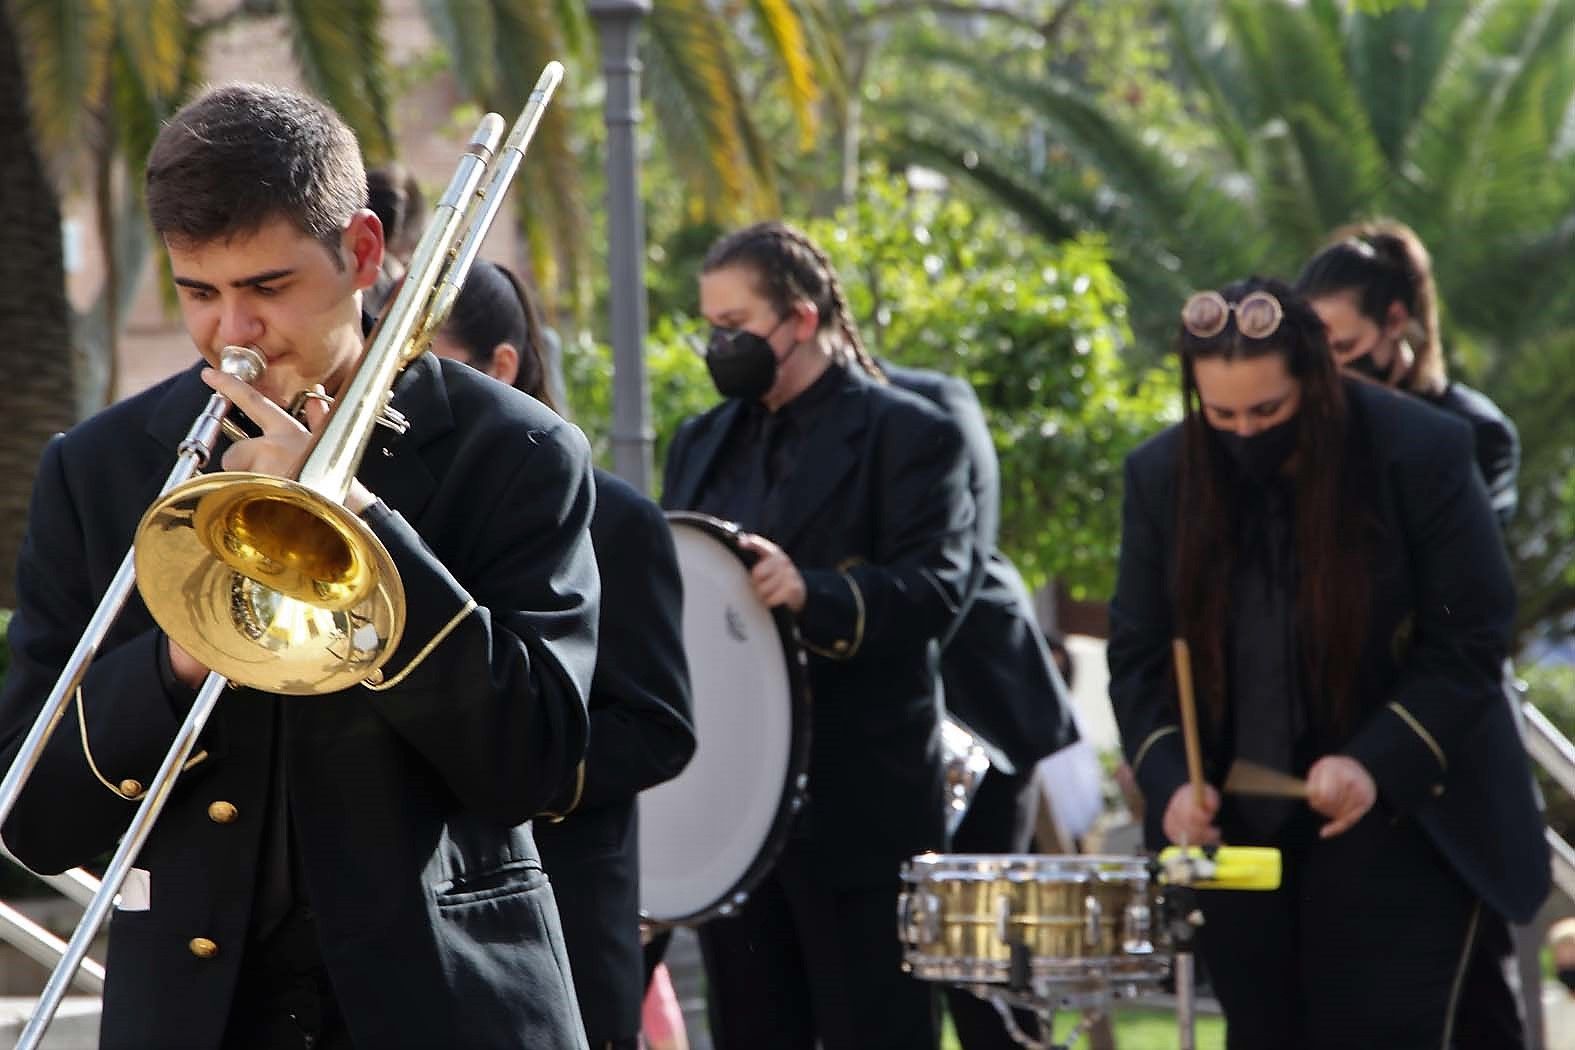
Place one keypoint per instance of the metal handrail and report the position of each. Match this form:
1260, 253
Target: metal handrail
38, 943
1549, 748
44, 948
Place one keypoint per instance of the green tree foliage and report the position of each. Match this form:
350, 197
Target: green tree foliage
1038, 329
1452, 117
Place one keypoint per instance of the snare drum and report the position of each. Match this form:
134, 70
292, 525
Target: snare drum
1083, 926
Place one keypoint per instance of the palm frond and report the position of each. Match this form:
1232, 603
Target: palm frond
1296, 63
1397, 59
468, 32
684, 141
152, 35
339, 49
66, 51
1187, 210
548, 201
1514, 53
697, 93
1205, 60
573, 27
787, 35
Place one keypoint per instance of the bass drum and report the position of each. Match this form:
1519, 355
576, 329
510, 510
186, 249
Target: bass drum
708, 836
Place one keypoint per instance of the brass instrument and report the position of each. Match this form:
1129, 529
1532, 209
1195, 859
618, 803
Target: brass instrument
270, 582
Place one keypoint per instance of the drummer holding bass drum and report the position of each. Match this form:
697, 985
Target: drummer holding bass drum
855, 503
641, 727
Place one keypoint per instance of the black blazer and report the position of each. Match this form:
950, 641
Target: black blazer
1432, 725
879, 521
1497, 444
409, 806
642, 733
1000, 677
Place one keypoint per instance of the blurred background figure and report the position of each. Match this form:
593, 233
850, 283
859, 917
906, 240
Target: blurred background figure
1558, 997
1373, 288
662, 1022
639, 700
395, 196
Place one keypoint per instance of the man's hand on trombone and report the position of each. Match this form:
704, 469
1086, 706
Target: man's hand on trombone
285, 441
280, 451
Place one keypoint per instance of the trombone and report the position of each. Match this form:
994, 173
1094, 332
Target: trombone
271, 583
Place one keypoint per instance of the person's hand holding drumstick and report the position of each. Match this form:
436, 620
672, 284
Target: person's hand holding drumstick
1189, 816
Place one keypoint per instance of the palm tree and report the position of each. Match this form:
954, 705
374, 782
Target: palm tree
100, 76
34, 320
1452, 117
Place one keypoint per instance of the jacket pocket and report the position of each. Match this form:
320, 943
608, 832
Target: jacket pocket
518, 877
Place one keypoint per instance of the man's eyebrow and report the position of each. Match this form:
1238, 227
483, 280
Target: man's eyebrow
244, 282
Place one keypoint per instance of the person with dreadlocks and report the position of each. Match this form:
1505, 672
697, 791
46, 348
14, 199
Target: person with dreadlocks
855, 500
1329, 552
1373, 287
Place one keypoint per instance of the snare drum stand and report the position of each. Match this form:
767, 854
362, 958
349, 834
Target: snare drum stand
1182, 919
1043, 1007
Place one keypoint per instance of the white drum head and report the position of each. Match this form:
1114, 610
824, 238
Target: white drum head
704, 833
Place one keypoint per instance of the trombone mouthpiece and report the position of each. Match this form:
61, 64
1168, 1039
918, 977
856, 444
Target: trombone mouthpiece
242, 362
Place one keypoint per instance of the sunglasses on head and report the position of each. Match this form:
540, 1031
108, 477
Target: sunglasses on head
1258, 315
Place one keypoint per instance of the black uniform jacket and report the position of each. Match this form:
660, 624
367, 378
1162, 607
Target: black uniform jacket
1497, 444
1432, 727
1000, 677
878, 519
409, 806
642, 733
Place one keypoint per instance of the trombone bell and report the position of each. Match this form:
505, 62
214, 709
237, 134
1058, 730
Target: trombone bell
269, 583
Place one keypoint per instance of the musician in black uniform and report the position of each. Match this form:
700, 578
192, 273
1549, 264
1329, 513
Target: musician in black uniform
1373, 287
642, 732
855, 497
352, 869
1328, 550
1000, 680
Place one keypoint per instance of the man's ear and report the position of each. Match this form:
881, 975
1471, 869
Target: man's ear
362, 241
806, 321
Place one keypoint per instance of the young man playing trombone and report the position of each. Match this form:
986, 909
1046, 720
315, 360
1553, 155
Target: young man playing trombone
352, 868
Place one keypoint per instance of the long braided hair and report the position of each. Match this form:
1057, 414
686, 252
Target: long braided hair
789, 267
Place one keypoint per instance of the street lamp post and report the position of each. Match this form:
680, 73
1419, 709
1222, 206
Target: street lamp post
618, 26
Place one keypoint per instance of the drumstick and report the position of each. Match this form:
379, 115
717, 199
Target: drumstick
1249, 778
1189, 719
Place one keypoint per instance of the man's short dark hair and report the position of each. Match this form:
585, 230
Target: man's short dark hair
241, 155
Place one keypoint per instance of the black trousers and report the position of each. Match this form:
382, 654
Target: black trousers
804, 960
998, 821
283, 1000
1372, 940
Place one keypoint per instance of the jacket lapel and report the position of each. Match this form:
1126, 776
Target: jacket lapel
178, 408
829, 454
698, 463
393, 467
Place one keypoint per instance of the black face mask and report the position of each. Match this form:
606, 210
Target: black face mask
1261, 456
1366, 366
1566, 977
742, 364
